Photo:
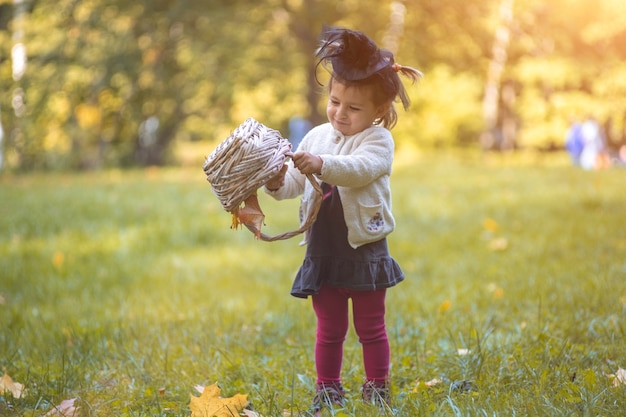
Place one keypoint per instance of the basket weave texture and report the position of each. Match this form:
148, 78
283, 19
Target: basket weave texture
244, 162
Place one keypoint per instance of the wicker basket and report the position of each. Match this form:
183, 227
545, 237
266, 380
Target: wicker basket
244, 162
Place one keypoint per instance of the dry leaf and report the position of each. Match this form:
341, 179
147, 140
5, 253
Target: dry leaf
251, 215
58, 259
498, 244
490, 225
433, 382
496, 291
65, 409
7, 385
428, 384
210, 404
619, 378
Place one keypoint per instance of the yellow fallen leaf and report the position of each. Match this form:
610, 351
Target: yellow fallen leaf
490, 225
443, 307
58, 259
7, 385
619, 378
210, 404
67, 408
496, 291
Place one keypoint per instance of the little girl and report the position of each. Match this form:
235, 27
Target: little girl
347, 255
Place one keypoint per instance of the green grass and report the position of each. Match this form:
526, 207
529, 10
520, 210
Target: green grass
115, 285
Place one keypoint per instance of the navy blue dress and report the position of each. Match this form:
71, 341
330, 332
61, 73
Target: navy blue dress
329, 257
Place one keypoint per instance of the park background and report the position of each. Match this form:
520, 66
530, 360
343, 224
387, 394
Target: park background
122, 286
92, 84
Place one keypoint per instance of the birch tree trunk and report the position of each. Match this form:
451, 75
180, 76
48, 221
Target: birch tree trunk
493, 135
395, 29
18, 66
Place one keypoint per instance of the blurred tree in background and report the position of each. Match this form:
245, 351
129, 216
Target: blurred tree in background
95, 83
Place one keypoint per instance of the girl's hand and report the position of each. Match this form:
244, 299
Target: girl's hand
307, 163
277, 180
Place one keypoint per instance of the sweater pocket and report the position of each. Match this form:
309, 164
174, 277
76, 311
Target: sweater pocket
372, 218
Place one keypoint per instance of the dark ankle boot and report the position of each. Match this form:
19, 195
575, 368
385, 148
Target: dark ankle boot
377, 393
328, 395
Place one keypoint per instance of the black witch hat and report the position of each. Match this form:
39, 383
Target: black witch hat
352, 55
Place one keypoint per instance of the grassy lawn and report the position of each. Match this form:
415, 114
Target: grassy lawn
126, 289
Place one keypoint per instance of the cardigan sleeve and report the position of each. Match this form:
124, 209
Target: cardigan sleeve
294, 179
293, 187
370, 156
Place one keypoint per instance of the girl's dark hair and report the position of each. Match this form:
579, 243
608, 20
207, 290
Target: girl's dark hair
356, 61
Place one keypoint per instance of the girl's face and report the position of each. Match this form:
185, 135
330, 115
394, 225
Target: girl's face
351, 110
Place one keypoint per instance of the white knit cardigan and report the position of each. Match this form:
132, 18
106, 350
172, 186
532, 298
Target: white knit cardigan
359, 166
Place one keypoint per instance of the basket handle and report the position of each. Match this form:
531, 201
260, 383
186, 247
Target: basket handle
305, 226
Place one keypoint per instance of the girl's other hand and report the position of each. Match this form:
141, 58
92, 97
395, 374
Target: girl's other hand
277, 180
307, 163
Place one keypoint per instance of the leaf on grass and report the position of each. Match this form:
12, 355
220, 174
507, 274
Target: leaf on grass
498, 244
58, 259
619, 378
7, 385
496, 291
443, 307
490, 225
421, 385
210, 404
67, 408
433, 382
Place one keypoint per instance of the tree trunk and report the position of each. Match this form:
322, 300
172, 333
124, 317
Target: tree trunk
395, 29
18, 66
492, 135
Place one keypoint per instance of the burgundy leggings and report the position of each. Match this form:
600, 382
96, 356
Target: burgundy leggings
368, 309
